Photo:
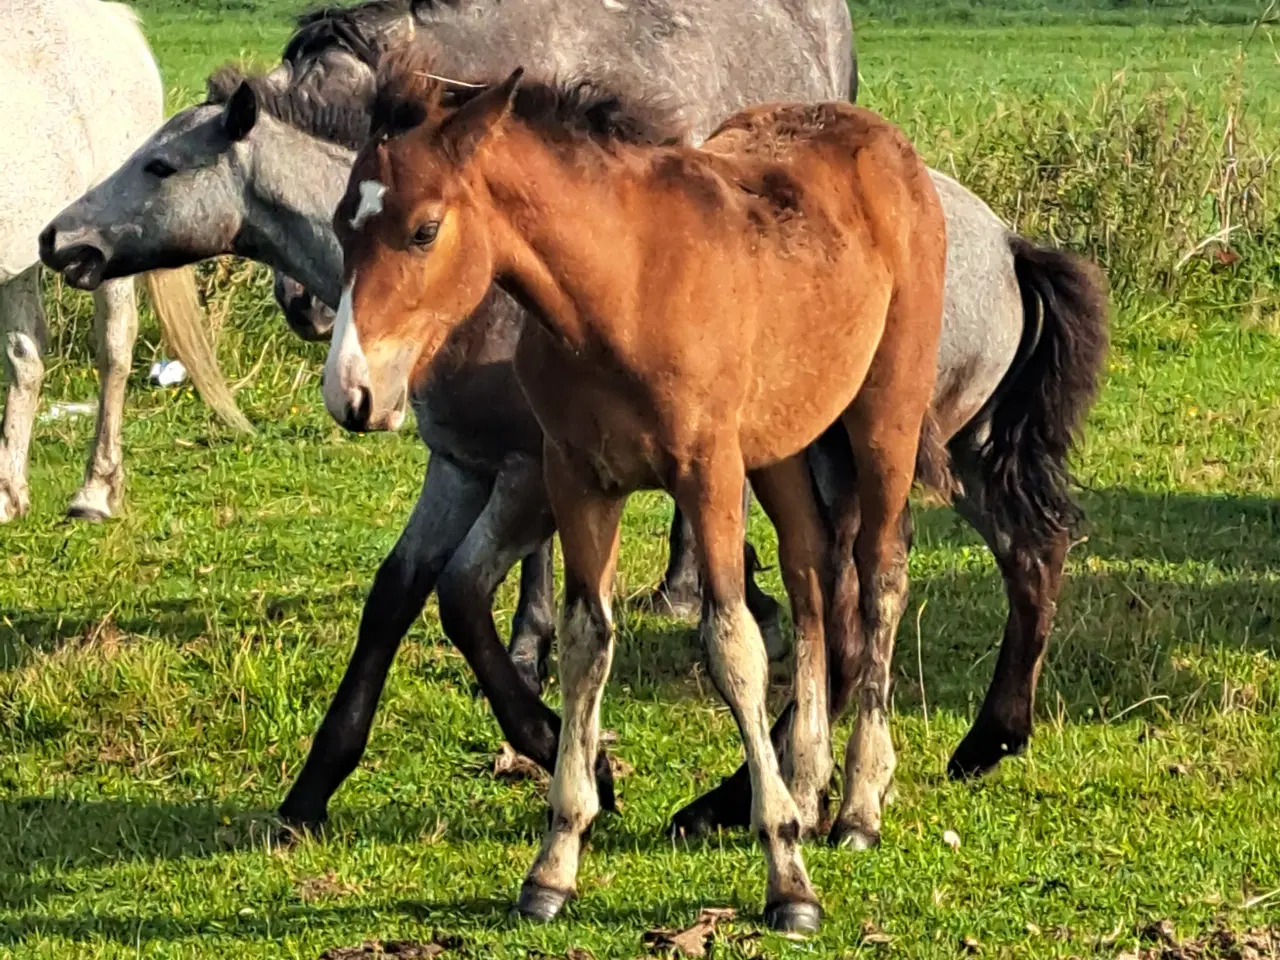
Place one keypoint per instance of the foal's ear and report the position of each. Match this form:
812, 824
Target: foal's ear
240, 113
467, 128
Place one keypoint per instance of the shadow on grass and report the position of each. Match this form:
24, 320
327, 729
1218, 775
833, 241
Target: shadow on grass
26, 632
350, 923
64, 834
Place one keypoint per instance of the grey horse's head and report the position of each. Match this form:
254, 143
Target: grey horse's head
183, 196
175, 201
179, 198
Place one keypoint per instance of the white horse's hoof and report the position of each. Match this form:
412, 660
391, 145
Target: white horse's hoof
13, 504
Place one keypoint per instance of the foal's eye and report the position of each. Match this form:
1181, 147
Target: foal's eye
425, 235
160, 168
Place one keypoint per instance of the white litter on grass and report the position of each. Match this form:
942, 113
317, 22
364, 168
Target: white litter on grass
168, 373
951, 839
60, 411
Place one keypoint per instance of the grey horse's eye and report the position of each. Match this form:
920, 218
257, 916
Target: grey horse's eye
425, 235
160, 169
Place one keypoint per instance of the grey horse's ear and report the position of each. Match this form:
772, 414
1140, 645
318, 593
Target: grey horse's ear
467, 128
240, 113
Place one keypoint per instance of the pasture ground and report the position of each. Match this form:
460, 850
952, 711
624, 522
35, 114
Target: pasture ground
161, 675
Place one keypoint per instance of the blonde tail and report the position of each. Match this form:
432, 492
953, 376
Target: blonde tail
177, 305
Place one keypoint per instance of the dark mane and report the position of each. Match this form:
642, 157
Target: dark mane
342, 122
585, 110
357, 30
579, 110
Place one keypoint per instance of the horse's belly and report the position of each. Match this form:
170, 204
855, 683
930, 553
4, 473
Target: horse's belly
802, 384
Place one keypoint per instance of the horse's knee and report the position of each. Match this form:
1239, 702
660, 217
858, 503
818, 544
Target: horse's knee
23, 360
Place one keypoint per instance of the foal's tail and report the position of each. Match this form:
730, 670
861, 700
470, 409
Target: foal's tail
1037, 411
177, 305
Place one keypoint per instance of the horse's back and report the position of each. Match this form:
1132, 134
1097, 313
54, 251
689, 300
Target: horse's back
79, 90
829, 161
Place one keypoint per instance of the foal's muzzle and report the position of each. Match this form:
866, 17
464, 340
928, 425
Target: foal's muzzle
351, 404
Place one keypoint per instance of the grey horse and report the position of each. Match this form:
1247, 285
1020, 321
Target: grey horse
258, 168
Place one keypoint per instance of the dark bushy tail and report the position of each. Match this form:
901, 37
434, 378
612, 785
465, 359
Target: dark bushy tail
1037, 411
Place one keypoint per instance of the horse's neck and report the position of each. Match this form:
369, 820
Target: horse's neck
294, 184
549, 256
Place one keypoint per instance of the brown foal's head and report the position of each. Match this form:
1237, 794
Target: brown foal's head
416, 245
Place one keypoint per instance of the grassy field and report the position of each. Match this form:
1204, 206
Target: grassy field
160, 676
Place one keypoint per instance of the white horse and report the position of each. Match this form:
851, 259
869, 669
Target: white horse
79, 90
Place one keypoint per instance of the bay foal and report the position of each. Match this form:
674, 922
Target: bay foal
702, 316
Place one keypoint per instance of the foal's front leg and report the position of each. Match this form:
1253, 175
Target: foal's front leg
709, 492
115, 328
588, 523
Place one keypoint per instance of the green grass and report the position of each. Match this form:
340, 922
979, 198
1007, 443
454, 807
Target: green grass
160, 676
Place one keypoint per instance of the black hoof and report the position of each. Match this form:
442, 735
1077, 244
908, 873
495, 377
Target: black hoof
853, 836
793, 917
604, 783
724, 808
541, 903
982, 749
89, 514
694, 820
291, 832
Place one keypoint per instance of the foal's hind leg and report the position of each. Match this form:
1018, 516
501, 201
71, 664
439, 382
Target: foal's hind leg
1031, 563
786, 494
884, 425
22, 323
450, 501
115, 328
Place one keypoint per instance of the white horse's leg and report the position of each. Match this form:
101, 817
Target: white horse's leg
115, 327
23, 335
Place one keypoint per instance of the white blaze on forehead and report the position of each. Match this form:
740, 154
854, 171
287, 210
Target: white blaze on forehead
371, 193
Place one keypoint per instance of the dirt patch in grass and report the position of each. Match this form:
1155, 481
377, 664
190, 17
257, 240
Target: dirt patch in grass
1162, 943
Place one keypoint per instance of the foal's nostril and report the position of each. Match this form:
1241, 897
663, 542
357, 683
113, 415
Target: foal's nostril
364, 406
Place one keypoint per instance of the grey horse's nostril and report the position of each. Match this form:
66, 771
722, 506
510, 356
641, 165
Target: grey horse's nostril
48, 237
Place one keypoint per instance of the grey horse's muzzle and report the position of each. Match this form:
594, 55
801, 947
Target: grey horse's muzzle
79, 253
307, 317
